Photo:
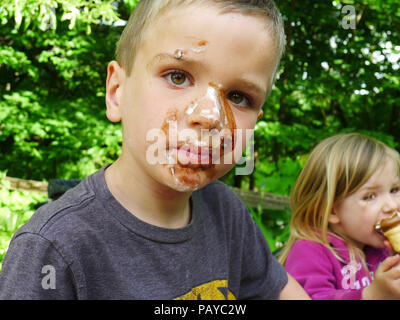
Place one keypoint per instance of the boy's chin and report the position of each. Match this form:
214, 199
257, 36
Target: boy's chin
191, 178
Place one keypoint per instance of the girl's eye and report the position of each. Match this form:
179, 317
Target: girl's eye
178, 78
370, 196
395, 190
239, 99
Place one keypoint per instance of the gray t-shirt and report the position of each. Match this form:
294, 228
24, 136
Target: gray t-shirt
86, 245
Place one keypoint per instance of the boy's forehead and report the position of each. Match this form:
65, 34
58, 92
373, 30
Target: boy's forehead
208, 25
178, 37
194, 12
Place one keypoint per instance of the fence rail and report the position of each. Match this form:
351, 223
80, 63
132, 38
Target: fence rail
252, 198
267, 200
27, 185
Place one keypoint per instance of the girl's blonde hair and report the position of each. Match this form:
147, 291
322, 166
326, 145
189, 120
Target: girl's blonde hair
146, 12
337, 167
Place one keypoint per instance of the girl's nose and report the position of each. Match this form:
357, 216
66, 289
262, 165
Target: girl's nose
391, 204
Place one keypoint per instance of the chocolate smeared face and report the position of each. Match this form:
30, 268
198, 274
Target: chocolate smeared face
191, 90
199, 137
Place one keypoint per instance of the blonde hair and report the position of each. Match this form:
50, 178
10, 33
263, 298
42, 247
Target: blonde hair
146, 11
337, 167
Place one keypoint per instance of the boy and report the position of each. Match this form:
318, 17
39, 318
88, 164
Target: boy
154, 225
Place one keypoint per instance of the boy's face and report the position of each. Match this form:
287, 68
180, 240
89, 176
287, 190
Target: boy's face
198, 82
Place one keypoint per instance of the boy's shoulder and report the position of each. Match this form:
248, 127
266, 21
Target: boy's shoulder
66, 214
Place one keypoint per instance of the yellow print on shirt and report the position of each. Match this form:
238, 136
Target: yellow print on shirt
214, 290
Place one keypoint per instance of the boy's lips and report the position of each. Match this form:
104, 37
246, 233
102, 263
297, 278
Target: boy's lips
194, 156
198, 154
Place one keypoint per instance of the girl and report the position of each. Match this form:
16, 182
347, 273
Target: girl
347, 185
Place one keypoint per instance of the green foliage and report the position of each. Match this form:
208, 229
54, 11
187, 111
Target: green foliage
52, 110
277, 177
274, 225
334, 79
16, 208
53, 131
45, 14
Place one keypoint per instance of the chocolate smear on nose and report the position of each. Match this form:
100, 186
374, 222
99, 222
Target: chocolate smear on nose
227, 117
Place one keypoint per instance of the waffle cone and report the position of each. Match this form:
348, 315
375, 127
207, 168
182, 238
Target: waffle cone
393, 235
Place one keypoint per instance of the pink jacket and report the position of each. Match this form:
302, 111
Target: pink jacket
324, 277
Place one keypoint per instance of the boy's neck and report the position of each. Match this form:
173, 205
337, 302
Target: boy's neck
147, 200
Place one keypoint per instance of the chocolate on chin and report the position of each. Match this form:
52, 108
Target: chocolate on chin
390, 227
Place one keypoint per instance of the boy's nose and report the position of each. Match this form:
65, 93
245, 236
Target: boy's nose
206, 113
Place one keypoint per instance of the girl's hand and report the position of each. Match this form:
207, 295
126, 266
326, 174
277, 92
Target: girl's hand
389, 247
386, 284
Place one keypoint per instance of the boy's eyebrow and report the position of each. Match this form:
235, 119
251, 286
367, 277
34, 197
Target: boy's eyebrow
168, 56
249, 85
253, 87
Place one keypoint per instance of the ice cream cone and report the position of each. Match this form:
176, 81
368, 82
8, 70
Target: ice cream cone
390, 227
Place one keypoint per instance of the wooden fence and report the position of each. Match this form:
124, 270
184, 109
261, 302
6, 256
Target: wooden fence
27, 185
267, 200
252, 198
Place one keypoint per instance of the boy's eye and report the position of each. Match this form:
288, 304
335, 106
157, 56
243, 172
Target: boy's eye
239, 99
178, 78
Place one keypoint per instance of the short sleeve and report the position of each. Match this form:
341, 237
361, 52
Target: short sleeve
34, 269
263, 276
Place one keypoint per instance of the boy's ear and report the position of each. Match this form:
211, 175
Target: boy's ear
115, 78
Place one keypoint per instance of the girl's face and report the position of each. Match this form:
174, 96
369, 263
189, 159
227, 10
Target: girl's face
356, 215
